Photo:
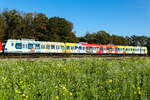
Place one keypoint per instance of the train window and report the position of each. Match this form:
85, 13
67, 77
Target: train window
120, 49
97, 48
83, 48
129, 49
42, 46
12, 44
72, 47
57, 47
18, 45
113, 49
126, 49
107, 48
68, 47
52, 47
47, 46
123, 49
80, 48
116, 49
101, 49
91, 48
110, 49
104, 48
76, 47
87, 48
37, 46
30, 46
62, 47
23, 46
94, 48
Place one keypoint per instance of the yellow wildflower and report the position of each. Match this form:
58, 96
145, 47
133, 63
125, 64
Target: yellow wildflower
23, 95
65, 88
110, 91
70, 93
26, 96
138, 88
134, 92
133, 86
17, 91
114, 90
57, 97
139, 92
110, 81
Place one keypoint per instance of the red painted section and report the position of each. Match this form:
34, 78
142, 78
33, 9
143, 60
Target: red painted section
0, 46
107, 49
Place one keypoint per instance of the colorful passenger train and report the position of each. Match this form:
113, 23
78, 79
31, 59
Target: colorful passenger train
32, 46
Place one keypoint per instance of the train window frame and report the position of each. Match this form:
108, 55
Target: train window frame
102, 48
97, 48
62, 47
110, 49
23, 45
113, 49
37, 46
80, 47
68, 47
57, 47
72, 47
121, 49
42, 46
29, 46
107, 49
12, 44
83, 48
18, 45
116, 49
76, 47
87, 48
52, 47
48, 46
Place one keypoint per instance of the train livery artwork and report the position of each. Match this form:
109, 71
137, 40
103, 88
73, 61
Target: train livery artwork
32, 46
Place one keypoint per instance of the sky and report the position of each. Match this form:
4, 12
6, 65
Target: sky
119, 17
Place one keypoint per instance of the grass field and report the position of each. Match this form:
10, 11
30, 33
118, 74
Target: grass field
75, 79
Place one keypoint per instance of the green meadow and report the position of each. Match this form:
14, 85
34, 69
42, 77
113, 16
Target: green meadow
75, 79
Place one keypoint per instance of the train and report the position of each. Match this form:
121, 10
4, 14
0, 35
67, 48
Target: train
30, 46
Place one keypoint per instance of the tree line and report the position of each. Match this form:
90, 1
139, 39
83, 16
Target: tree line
18, 25
102, 37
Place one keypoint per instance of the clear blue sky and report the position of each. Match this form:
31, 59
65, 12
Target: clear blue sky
120, 17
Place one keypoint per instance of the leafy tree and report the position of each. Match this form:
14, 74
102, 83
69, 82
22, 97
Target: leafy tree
40, 26
28, 23
142, 40
90, 38
13, 22
117, 40
59, 29
2, 27
103, 37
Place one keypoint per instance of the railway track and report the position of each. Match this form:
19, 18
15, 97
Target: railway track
32, 56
